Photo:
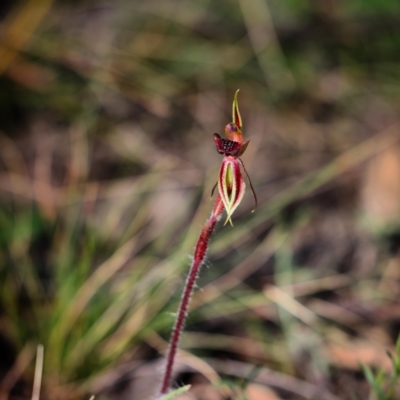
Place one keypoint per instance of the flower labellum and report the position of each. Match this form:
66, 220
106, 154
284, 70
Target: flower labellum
231, 184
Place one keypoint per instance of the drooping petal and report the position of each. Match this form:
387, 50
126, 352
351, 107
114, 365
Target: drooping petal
251, 185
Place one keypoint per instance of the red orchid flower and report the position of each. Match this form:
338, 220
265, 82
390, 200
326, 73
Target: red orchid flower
231, 188
231, 184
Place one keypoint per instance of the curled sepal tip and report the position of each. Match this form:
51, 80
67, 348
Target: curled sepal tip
231, 186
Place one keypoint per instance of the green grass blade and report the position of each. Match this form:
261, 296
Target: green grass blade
373, 383
175, 393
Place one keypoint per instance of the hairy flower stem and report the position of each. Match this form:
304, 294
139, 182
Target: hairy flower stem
198, 259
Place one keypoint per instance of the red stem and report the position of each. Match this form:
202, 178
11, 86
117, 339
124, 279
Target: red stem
199, 255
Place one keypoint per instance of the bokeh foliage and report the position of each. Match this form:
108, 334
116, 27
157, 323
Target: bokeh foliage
106, 161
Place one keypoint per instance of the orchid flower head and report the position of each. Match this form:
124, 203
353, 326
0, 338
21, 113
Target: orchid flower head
231, 185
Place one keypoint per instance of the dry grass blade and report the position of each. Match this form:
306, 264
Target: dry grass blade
266, 45
272, 378
184, 357
238, 274
291, 305
37, 381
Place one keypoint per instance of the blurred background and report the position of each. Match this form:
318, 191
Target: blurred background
107, 161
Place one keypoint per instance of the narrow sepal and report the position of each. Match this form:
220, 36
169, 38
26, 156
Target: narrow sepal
236, 118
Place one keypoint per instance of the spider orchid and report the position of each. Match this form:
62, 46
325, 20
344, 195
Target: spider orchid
231, 189
231, 185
